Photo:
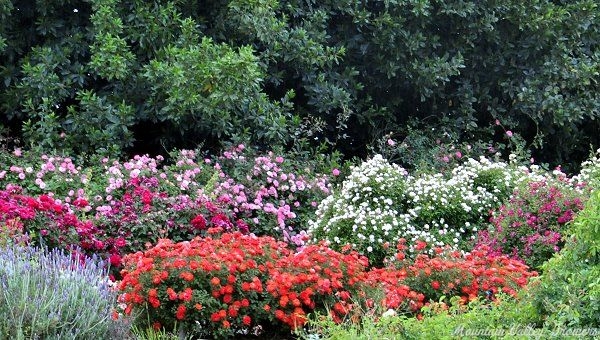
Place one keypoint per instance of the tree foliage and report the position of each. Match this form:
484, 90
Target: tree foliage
111, 75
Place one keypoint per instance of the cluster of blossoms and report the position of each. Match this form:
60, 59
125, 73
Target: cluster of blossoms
144, 214
232, 283
237, 283
590, 172
379, 203
453, 273
367, 211
55, 176
274, 196
530, 225
35, 220
215, 281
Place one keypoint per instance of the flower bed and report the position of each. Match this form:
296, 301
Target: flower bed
234, 283
216, 246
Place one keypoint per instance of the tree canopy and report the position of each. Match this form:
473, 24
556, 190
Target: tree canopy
115, 76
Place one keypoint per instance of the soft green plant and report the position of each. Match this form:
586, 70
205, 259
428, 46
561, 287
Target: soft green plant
504, 318
55, 295
149, 333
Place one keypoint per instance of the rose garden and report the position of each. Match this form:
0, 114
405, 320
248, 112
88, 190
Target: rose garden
299, 169
258, 245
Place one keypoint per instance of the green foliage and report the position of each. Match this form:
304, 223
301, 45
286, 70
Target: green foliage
440, 320
210, 87
568, 293
290, 72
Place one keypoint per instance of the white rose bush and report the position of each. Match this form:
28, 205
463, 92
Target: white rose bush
380, 203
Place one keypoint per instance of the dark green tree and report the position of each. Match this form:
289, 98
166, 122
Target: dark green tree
112, 75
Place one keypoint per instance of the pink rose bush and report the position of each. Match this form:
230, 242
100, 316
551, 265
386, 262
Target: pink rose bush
272, 195
530, 226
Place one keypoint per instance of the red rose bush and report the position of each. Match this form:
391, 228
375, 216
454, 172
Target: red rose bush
238, 284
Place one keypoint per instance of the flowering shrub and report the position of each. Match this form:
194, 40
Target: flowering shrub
590, 172
567, 295
274, 196
207, 285
32, 220
143, 214
452, 273
366, 212
530, 225
379, 203
51, 175
315, 279
239, 283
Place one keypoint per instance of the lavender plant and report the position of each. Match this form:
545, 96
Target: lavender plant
55, 295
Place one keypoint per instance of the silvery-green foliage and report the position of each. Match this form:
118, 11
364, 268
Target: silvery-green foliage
54, 295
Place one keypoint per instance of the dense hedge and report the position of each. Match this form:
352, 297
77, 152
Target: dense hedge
113, 75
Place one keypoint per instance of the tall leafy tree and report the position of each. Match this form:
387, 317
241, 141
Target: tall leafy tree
108, 75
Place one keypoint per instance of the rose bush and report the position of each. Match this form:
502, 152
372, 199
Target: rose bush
530, 226
218, 282
451, 273
271, 193
235, 284
379, 203
45, 221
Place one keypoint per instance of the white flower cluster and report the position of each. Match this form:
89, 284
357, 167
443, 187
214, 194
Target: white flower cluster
365, 211
590, 172
448, 210
379, 202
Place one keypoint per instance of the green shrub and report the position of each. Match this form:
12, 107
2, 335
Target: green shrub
504, 318
568, 294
